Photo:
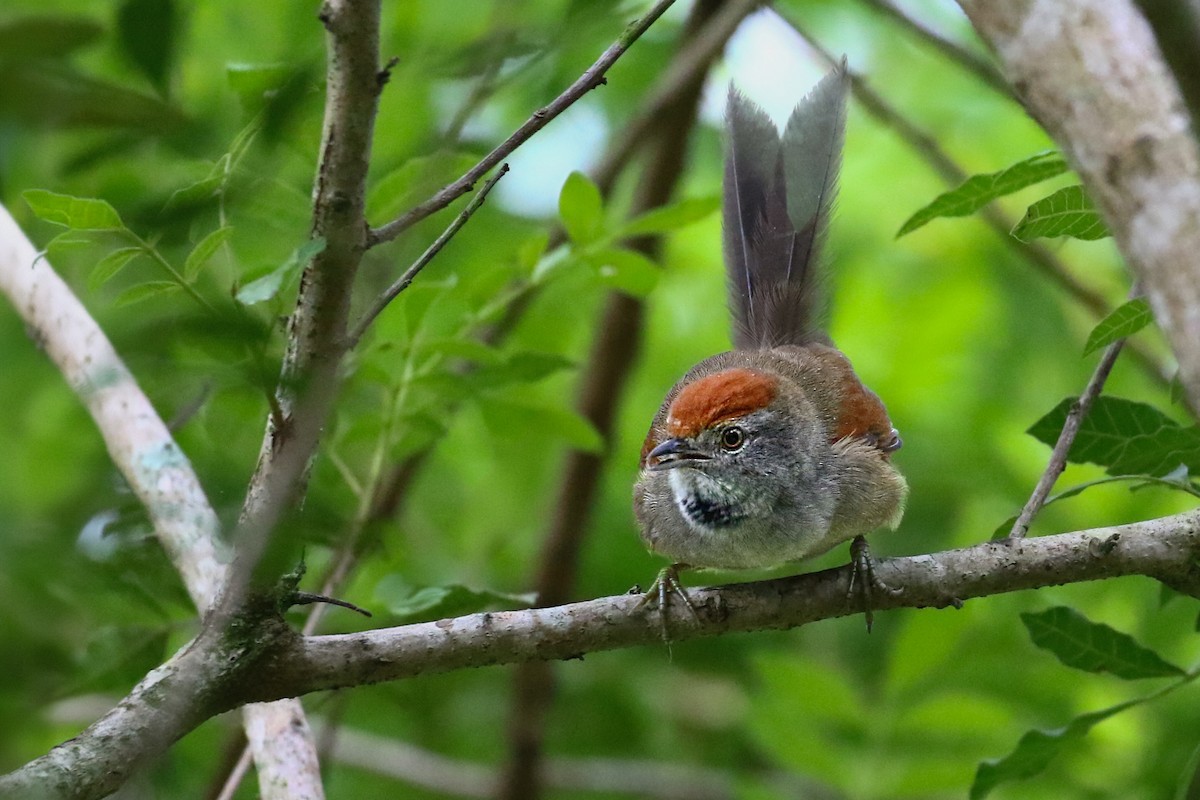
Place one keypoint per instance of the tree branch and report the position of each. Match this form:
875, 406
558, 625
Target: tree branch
592, 77
979, 67
277, 662
1039, 257
141, 447
410, 274
1105, 94
1062, 447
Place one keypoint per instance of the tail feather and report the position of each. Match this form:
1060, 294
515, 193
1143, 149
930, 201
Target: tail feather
778, 198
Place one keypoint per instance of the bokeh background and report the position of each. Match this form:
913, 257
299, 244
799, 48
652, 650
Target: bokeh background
967, 342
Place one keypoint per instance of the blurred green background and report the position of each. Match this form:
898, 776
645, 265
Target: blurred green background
965, 341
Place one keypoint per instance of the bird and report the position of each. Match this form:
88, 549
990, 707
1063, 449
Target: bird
775, 451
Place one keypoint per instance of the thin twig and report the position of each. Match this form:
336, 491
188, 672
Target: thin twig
1058, 458
931, 153
980, 67
592, 77
411, 273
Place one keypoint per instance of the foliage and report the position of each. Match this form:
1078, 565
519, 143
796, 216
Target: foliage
169, 180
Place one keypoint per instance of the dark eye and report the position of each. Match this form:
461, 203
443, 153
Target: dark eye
733, 438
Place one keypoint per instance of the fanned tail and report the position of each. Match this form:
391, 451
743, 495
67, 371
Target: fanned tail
778, 195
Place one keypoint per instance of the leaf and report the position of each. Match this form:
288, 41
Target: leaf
1090, 646
465, 348
199, 192
1067, 212
421, 603
520, 367
1124, 437
511, 420
412, 181
267, 286
581, 208
79, 213
31, 37
1125, 320
671, 217
56, 95
67, 241
979, 190
146, 30
252, 81
203, 251
626, 270
111, 264
145, 291
1036, 750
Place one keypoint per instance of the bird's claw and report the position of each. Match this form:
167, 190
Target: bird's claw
864, 579
665, 585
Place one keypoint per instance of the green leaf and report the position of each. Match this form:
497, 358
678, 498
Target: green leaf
66, 242
57, 95
1067, 212
1036, 750
146, 30
979, 190
79, 213
671, 217
1125, 320
32, 37
581, 208
413, 181
145, 291
521, 367
111, 264
422, 603
626, 270
1092, 647
251, 82
267, 286
511, 420
1124, 437
203, 251
465, 348
199, 192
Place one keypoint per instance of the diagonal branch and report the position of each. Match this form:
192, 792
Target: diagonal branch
410, 274
980, 67
1062, 447
592, 77
1133, 148
1039, 257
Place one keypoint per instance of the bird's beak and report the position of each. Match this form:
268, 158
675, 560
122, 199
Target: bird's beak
673, 453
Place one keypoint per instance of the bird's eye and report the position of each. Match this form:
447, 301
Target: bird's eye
733, 438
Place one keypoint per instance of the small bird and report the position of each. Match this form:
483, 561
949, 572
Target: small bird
773, 452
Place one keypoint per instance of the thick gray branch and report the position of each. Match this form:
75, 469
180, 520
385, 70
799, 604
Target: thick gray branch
220, 672
1158, 548
1091, 73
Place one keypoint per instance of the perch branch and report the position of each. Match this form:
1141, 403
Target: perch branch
215, 675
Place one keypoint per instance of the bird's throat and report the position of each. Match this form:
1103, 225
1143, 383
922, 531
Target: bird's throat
703, 502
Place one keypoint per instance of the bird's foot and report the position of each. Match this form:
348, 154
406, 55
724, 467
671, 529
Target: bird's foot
665, 585
864, 580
